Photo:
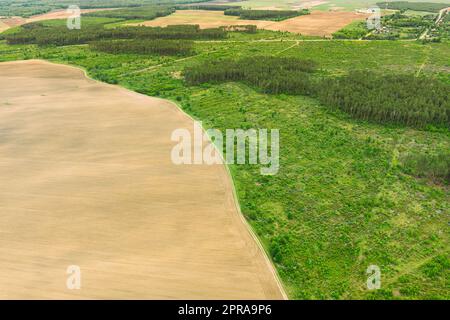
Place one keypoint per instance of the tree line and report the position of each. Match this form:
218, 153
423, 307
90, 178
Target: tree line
403, 99
416, 6
206, 7
143, 13
37, 33
273, 75
161, 47
396, 98
276, 15
27, 8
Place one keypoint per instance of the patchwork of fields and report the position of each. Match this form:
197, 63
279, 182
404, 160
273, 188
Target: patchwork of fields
316, 24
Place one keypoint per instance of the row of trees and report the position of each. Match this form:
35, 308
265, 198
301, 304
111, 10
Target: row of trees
161, 47
37, 33
405, 99
27, 8
276, 15
273, 75
416, 6
144, 13
206, 7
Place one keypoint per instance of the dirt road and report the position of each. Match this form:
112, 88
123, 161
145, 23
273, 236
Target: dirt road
87, 180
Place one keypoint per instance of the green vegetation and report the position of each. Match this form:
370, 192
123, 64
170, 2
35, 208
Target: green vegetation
403, 99
355, 30
416, 6
276, 15
27, 8
432, 166
141, 13
206, 7
161, 47
392, 98
270, 74
400, 26
347, 195
38, 33
442, 30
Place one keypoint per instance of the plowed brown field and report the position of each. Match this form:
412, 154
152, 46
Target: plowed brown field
318, 23
87, 180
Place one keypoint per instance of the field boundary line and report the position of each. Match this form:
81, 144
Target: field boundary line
225, 166
247, 225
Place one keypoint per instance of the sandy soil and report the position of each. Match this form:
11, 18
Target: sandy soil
87, 180
58, 14
3, 26
318, 23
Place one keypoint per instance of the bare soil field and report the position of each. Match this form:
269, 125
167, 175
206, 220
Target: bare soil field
3, 26
318, 23
87, 180
58, 14
204, 18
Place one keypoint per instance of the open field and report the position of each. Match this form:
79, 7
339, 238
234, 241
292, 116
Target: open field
87, 180
316, 24
3, 26
325, 5
58, 14
205, 19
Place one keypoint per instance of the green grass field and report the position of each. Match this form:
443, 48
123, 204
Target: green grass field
343, 199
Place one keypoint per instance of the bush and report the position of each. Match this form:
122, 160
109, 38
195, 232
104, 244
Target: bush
433, 166
162, 47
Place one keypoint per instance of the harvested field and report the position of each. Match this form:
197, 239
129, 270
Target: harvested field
87, 180
204, 18
3, 26
318, 23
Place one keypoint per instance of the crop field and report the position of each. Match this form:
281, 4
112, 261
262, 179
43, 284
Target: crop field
3, 26
316, 24
346, 196
107, 197
205, 19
